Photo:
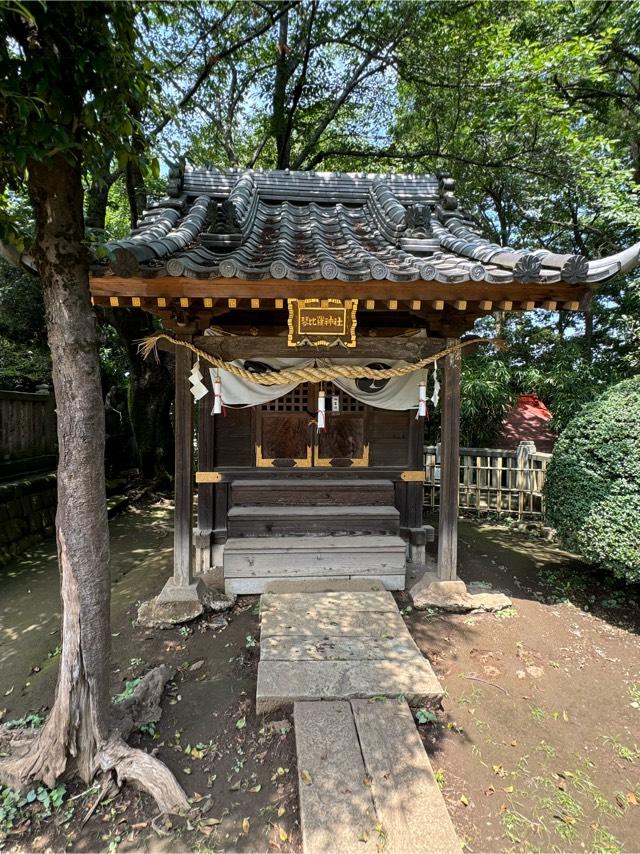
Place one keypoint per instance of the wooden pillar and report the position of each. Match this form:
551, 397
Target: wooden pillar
206, 491
449, 467
183, 425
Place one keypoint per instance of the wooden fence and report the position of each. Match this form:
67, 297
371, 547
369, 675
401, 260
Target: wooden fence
27, 426
493, 480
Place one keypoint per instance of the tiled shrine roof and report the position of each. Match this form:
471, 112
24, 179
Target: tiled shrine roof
309, 226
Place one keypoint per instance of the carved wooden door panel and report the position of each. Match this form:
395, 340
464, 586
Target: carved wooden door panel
344, 442
287, 434
284, 431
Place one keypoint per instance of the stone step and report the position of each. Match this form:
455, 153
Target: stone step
282, 683
267, 521
252, 564
314, 492
365, 781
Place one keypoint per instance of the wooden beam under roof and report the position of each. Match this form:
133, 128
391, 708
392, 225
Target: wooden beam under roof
382, 291
229, 347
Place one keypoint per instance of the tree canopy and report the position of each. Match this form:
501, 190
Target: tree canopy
532, 107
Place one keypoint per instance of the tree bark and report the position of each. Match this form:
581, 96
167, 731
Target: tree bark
77, 733
282, 77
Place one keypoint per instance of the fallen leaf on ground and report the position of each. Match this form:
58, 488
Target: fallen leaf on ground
282, 833
306, 778
246, 825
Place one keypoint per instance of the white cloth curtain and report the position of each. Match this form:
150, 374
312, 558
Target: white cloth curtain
399, 393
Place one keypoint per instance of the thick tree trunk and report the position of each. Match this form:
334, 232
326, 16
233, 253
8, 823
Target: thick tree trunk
78, 728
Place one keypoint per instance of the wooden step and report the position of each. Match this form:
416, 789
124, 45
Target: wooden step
266, 521
364, 778
252, 563
314, 492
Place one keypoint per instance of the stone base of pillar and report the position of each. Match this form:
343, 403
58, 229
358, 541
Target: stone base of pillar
453, 596
417, 539
202, 545
181, 603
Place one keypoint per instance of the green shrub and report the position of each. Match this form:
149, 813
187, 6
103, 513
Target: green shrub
592, 489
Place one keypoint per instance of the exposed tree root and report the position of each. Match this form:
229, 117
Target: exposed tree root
143, 706
45, 756
144, 771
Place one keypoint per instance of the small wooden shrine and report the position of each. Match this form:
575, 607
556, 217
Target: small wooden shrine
321, 300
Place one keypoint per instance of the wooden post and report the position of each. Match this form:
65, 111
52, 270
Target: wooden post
449, 467
183, 421
206, 491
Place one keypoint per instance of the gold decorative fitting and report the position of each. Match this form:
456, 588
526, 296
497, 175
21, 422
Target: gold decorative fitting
272, 462
325, 322
208, 477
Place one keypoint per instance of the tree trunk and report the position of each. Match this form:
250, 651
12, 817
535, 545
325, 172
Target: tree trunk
78, 727
279, 102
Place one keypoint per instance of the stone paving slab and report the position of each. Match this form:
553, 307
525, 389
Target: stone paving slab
330, 646
407, 798
342, 623
366, 783
280, 648
381, 601
281, 683
337, 813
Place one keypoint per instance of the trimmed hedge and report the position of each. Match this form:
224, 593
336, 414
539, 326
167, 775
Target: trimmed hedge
592, 488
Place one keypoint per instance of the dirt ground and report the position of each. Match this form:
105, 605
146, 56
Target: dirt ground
537, 747
538, 744
238, 771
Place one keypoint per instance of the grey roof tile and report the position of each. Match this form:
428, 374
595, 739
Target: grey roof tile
309, 226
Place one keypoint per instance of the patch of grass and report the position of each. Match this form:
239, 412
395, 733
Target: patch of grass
516, 826
440, 777
634, 693
629, 754
470, 699
506, 613
604, 842
548, 749
537, 713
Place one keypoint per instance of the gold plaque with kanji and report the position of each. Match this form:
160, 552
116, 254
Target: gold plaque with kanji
322, 322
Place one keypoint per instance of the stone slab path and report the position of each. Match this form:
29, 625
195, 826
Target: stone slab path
365, 781
339, 645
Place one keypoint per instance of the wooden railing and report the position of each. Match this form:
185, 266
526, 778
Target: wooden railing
493, 480
27, 425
